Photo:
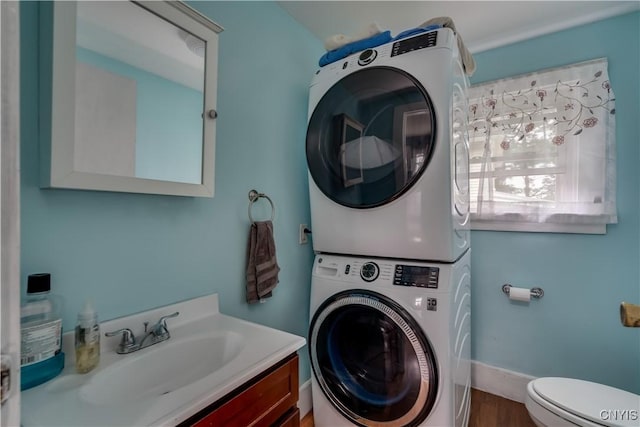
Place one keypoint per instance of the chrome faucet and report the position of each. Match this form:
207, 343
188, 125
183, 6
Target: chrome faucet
158, 332
153, 335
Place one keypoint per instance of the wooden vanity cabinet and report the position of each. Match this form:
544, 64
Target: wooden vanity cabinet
270, 399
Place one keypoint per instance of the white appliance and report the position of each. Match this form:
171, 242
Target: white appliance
568, 402
389, 342
387, 151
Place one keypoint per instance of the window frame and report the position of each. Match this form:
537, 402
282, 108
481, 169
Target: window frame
567, 157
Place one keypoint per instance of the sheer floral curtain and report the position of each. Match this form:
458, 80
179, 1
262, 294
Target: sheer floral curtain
542, 148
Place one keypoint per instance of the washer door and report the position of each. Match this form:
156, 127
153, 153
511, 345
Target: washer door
370, 137
372, 361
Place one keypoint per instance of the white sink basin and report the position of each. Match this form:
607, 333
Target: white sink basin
208, 356
162, 368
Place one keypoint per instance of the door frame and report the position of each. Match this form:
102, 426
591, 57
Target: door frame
10, 205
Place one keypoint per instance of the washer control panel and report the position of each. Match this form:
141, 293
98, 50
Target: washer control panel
369, 271
412, 275
382, 272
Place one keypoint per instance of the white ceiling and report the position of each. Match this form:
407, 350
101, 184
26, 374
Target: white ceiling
482, 24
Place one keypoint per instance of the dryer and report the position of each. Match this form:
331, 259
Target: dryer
389, 342
387, 151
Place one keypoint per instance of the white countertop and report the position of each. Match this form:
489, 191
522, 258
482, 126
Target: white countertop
62, 402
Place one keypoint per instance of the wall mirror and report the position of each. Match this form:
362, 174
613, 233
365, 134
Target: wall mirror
132, 89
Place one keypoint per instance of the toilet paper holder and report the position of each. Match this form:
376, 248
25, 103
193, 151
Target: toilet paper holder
535, 292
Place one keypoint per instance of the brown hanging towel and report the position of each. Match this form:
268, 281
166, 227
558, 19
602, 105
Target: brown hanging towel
262, 266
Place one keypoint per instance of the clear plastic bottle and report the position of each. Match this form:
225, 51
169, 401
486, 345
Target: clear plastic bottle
87, 340
41, 356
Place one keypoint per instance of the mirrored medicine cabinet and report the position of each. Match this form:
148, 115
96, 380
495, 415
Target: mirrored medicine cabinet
128, 97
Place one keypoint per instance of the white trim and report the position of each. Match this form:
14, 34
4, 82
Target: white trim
538, 227
305, 402
541, 30
500, 382
10, 205
193, 14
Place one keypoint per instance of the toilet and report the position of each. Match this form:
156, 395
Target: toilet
556, 402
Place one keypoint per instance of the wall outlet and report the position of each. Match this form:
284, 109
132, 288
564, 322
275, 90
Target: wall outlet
303, 239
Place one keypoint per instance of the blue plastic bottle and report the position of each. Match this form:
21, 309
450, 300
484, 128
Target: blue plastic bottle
41, 356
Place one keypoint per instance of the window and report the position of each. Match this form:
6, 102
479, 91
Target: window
542, 151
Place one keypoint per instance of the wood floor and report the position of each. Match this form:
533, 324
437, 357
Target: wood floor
487, 410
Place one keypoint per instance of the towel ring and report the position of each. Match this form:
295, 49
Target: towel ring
253, 197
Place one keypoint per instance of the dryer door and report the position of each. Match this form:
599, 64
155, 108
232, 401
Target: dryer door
372, 360
370, 137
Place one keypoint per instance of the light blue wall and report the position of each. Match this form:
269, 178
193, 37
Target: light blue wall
133, 252
575, 329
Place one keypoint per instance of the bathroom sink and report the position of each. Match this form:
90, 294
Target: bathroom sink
208, 356
162, 368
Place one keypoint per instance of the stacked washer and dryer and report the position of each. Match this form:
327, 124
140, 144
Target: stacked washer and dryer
387, 152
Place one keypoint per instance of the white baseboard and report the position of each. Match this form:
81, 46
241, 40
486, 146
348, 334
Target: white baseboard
305, 403
498, 381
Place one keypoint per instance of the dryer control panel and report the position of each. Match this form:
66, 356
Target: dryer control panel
413, 275
414, 43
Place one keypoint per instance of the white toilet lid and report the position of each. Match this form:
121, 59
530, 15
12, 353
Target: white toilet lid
595, 402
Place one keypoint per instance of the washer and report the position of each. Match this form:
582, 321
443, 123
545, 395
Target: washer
389, 342
387, 151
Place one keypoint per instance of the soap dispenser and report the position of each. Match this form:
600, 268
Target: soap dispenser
87, 340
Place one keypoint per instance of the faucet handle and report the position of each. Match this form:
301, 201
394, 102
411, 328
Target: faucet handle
160, 328
163, 319
128, 341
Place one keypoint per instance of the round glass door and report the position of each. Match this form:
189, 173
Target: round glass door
372, 361
370, 137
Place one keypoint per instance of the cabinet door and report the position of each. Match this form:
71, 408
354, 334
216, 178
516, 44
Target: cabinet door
261, 402
134, 110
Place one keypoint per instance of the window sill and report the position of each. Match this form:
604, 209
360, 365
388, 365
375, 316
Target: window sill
539, 227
